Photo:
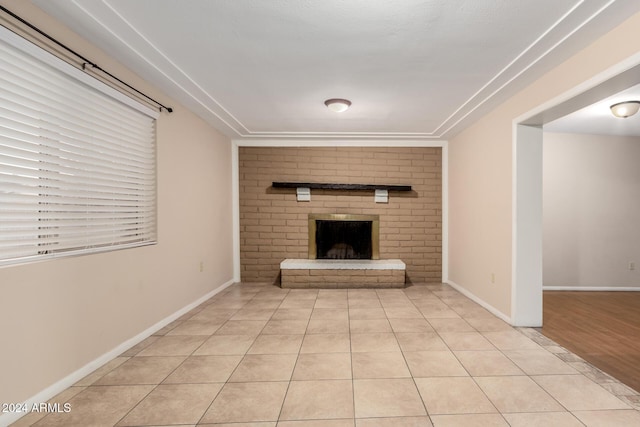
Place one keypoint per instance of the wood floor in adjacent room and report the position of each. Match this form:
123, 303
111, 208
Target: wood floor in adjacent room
601, 327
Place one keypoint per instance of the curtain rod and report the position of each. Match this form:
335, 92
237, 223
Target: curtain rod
85, 60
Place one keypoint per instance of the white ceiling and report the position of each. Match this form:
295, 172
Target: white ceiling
414, 69
597, 118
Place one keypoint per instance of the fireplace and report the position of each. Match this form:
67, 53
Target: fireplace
344, 236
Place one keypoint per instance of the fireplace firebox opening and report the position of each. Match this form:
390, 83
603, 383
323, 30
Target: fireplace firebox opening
344, 236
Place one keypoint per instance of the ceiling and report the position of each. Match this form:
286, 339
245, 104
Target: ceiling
413, 69
597, 118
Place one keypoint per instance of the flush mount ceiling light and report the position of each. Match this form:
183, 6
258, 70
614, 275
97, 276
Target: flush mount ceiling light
337, 105
625, 109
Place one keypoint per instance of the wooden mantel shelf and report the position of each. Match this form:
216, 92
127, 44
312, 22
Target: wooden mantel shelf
351, 187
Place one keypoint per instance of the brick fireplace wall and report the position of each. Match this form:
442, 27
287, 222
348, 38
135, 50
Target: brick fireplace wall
274, 226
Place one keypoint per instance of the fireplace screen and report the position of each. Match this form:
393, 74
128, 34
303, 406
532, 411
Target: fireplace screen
341, 236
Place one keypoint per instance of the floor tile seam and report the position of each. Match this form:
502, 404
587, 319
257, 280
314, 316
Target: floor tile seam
174, 369
214, 333
413, 379
524, 373
259, 333
598, 370
76, 384
449, 307
600, 410
246, 353
493, 350
210, 404
136, 405
353, 384
383, 378
533, 378
175, 324
523, 370
485, 413
132, 384
44, 415
155, 384
286, 393
133, 346
378, 352
454, 355
305, 334
441, 338
193, 382
575, 417
536, 383
305, 420
483, 392
502, 414
424, 402
319, 380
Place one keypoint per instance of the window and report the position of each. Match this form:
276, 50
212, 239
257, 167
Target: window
77, 160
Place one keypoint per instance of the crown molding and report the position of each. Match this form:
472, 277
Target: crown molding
555, 44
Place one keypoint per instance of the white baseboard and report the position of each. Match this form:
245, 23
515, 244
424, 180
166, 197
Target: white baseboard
475, 299
76, 376
592, 288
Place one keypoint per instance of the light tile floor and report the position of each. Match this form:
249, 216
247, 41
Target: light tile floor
259, 356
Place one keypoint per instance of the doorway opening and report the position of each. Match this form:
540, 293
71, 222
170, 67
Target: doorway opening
527, 266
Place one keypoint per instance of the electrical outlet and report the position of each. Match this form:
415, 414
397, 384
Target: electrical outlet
201, 266
493, 278
632, 265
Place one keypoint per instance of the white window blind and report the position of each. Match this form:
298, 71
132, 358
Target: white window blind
77, 160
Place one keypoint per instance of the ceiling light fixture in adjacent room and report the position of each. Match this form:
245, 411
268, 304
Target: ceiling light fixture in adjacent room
337, 105
625, 109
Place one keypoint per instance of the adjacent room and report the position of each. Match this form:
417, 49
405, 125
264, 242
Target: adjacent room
318, 213
591, 236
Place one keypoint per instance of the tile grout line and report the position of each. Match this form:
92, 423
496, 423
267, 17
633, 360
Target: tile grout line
286, 392
623, 398
529, 333
353, 379
413, 378
464, 367
194, 351
219, 391
495, 376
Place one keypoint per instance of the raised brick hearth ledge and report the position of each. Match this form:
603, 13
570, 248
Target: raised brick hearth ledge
342, 274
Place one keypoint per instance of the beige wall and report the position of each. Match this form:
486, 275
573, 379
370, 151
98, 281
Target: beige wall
274, 226
56, 316
591, 210
480, 171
